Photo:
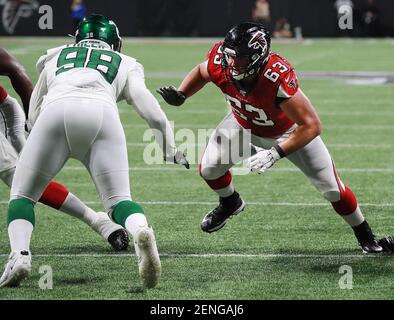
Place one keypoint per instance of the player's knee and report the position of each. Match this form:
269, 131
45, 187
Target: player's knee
332, 195
209, 173
10, 101
21, 208
122, 210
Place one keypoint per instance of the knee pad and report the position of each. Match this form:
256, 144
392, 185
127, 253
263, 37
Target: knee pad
123, 209
332, 195
21, 208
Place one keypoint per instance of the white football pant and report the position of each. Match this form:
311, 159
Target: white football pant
313, 160
85, 129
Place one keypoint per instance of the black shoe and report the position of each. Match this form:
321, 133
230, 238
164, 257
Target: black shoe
119, 240
387, 243
366, 238
217, 218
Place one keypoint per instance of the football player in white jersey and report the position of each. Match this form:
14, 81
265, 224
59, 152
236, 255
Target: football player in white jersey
12, 140
73, 113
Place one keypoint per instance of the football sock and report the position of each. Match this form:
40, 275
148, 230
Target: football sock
54, 195
134, 222
14, 118
3, 94
354, 219
230, 201
363, 232
59, 198
129, 215
225, 192
348, 209
223, 185
19, 232
73, 206
21, 220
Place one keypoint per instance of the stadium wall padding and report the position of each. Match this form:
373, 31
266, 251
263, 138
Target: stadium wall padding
317, 18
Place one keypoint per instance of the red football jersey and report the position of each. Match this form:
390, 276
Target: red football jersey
258, 109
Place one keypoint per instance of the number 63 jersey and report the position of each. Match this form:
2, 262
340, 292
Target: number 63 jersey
257, 109
86, 69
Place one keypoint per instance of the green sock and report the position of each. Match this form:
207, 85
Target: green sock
21, 208
124, 209
20, 223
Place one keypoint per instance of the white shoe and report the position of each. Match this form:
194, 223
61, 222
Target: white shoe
17, 269
110, 231
149, 265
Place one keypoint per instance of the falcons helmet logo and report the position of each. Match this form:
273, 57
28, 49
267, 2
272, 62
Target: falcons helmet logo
13, 10
258, 41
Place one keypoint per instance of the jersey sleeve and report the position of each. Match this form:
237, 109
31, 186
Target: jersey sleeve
208, 54
214, 64
288, 86
146, 105
36, 99
41, 63
135, 75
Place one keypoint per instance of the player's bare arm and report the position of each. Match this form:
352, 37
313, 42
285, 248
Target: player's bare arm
194, 81
20, 80
300, 110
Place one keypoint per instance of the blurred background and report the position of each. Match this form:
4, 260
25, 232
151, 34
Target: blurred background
204, 18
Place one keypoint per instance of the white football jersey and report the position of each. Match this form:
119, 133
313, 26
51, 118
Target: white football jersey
87, 68
90, 69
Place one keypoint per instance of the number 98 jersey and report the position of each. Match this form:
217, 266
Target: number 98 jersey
84, 69
258, 109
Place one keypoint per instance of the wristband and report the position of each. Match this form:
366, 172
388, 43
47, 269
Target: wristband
280, 151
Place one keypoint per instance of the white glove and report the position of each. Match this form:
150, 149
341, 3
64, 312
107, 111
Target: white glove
178, 158
262, 160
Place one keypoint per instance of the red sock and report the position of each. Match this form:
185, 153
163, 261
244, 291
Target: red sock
347, 204
219, 183
54, 195
3, 94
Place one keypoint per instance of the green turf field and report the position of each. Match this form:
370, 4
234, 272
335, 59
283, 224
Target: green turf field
287, 244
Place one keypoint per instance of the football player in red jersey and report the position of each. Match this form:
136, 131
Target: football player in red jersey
12, 139
262, 90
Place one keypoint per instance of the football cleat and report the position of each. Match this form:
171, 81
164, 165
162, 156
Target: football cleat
217, 218
119, 240
366, 238
17, 269
116, 236
149, 265
387, 243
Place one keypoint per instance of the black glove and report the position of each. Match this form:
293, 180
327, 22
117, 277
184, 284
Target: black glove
172, 96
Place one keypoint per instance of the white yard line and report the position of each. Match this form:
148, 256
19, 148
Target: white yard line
258, 203
173, 168
213, 126
212, 255
330, 145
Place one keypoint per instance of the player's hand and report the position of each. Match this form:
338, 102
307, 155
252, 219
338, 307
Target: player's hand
172, 96
262, 160
179, 158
